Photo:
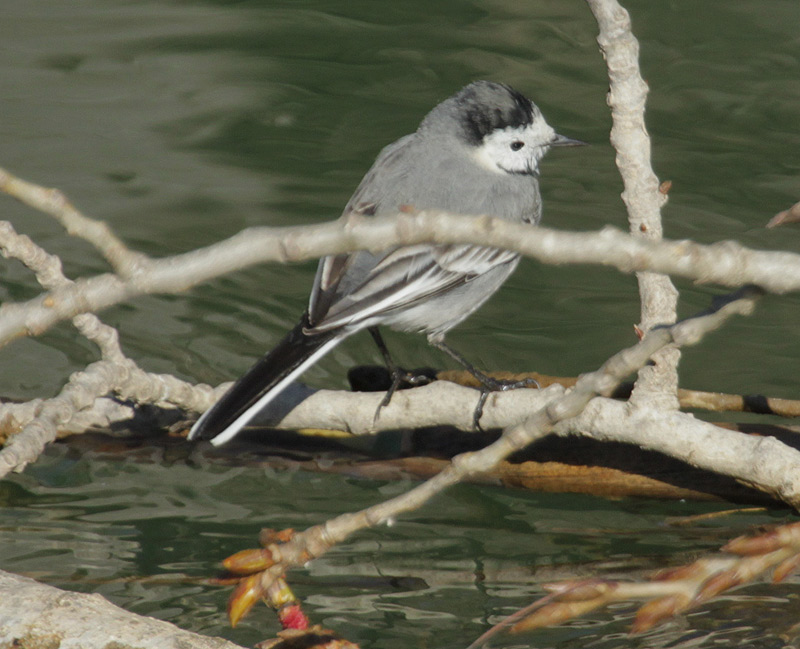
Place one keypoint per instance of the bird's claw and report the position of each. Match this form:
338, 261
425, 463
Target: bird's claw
489, 385
401, 379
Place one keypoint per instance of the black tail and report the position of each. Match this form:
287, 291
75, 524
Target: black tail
261, 383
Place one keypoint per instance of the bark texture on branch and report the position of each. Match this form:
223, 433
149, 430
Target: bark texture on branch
626, 98
726, 263
36, 615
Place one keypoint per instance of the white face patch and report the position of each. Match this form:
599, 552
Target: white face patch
516, 150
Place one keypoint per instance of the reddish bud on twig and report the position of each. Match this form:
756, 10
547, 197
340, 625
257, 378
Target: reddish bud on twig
267, 536
785, 568
678, 573
750, 545
279, 594
716, 584
244, 596
553, 614
247, 562
292, 617
658, 610
781, 537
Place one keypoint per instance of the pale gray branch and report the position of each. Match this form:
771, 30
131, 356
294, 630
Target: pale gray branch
81, 393
726, 263
764, 463
53, 202
626, 98
102, 414
38, 422
47, 269
36, 615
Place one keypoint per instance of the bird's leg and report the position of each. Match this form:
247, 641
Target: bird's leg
398, 374
488, 384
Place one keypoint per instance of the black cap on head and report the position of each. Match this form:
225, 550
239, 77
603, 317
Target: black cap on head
485, 106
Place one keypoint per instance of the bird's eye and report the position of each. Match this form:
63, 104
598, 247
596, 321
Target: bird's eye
517, 145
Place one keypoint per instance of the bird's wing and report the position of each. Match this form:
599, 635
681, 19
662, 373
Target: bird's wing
386, 171
352, 288
408, 275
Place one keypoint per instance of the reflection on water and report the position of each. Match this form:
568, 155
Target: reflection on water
181, 123
143, 534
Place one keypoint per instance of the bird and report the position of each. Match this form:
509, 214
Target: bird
476, 152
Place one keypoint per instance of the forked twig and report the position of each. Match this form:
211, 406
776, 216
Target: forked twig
53, 202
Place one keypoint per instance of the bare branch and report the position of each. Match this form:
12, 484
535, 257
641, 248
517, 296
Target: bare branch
626, 98
726, 263
47, 269
689, 399
53, 202
707, 263
81, 393
764, 463
39, 421
720, 402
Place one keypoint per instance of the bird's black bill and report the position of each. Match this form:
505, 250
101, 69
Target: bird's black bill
561, 140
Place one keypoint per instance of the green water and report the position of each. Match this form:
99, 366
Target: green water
181, 122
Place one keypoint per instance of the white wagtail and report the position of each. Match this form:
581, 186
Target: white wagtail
477, 152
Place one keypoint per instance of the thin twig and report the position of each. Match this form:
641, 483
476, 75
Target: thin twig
38, 423
48, 271
721, 402
53, 202
792, 215
81, 393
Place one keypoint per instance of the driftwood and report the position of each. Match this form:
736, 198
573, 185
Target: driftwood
35, 616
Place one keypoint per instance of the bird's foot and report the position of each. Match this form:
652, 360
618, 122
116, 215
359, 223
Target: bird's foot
489, 385
402, 380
